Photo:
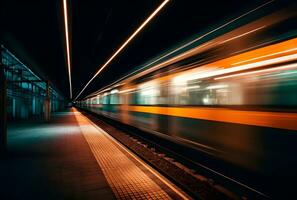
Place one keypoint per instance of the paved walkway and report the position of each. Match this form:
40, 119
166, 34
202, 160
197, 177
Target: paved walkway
72, 158
51, 161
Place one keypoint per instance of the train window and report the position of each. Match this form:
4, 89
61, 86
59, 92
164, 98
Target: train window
188, 91
133, 98
105, 98
94, 100
148, 93
98, 99
162, 98
114, 99
177, 91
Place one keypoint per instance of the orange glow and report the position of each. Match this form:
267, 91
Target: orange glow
260, 54
257, 118
287, 49
125, 44
268, 55
67, 45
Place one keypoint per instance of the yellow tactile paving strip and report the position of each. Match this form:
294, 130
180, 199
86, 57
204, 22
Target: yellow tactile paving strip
125, 178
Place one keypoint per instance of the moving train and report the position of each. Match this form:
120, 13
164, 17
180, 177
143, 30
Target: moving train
233, 97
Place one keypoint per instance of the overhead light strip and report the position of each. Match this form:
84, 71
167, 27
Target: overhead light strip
67, 45
124, 44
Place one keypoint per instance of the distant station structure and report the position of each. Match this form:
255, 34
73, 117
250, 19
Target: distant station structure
24, 94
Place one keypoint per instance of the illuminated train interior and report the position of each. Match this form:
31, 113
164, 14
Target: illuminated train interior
233, 97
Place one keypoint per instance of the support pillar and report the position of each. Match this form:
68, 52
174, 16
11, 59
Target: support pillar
3, 116
47, 103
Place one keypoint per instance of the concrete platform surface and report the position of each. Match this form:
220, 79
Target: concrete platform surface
72, 158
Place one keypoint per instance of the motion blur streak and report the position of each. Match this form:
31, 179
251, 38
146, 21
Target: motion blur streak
265, 56
257, 118
231, 98
125, 44
241, 35
67, 45
226, 66
285, 67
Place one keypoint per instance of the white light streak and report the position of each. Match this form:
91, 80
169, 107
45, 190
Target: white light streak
284, 67
114, 91
126, 91
193, 87
265, 56
241, 35
125, 44
67, 45
212, 87
257, 64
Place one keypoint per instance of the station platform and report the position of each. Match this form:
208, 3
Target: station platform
72, 158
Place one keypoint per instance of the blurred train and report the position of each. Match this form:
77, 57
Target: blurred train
233, 97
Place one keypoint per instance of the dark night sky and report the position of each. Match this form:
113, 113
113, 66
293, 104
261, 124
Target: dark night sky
34, 31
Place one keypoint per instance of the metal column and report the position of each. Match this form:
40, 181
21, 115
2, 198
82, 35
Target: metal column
47, 103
